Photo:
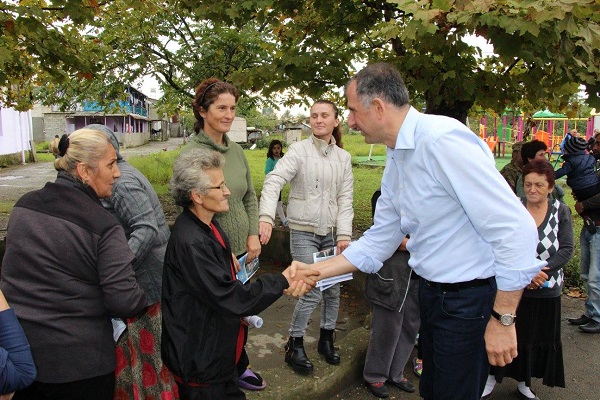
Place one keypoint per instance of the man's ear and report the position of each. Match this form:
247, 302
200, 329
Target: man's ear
379, 107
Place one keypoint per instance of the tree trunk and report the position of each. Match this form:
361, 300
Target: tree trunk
455, 108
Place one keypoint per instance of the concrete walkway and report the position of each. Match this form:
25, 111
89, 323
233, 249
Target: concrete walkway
344, 381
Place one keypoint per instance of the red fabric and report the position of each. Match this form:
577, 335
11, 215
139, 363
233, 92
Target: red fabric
140, 373
240, 338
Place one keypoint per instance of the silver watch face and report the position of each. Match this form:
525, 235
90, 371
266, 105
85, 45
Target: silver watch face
507, 319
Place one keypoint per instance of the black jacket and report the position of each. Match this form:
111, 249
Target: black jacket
66, 270
202, 304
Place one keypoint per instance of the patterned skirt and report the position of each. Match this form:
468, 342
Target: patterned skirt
140, 373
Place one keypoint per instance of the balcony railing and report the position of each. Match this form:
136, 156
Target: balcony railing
126, 107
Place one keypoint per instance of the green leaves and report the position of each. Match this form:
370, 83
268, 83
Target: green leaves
305, 49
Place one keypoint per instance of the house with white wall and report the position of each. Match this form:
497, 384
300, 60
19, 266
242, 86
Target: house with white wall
16, 136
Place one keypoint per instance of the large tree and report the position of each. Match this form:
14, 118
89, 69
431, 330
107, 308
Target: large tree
543, 50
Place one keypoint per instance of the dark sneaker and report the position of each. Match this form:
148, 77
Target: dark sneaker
584, 319
377, 389
590, 327
405, 385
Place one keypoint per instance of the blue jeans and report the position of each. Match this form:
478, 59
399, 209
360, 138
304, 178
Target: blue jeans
455, 363
590, 271
302, 247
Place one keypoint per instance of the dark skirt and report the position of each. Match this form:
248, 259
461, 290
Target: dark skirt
539, 344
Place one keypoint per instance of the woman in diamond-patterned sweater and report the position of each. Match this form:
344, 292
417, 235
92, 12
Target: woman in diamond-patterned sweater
538, 315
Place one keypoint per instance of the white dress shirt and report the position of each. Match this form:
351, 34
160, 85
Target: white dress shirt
440, 185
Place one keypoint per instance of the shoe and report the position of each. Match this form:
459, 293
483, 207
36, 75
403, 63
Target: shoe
251, 380
590, 327
296, 356
326, 348
584, 319
523, 397
377, 389
417, 366
405, 385
489, 396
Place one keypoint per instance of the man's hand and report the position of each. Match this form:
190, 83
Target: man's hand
500, 343
252, 247
7, 396
264, 230
301, 280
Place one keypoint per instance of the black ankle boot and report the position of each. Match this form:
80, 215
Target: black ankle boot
295, 355
326, 347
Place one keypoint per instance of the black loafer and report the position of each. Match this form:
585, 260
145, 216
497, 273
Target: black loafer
377, 389
584, 319
590, 327
404, 385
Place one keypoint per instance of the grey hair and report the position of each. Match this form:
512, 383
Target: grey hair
109, 134
380, 80
189, 173
87, 146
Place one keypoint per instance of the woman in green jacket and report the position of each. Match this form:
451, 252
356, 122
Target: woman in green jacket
214, 108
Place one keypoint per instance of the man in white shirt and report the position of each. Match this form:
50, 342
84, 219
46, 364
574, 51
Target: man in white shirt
441, 187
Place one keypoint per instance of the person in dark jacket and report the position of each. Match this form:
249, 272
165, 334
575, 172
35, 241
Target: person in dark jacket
67, 269
393, 293
203, 302
17, 369
579, 167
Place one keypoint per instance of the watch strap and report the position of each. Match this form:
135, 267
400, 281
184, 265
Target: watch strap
497, 315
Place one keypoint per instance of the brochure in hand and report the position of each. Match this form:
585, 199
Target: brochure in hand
326, 283
247, 270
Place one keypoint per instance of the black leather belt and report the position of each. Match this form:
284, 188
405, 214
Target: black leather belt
455, 287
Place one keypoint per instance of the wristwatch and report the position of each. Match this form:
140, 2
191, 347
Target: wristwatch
505, 319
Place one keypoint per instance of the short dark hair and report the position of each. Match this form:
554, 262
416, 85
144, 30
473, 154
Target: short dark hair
540, 167
380, 80
531, 148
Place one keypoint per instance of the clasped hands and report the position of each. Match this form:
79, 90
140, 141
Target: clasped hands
538, 280
301, 279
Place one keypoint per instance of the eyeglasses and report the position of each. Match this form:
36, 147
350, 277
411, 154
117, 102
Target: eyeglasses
222, 186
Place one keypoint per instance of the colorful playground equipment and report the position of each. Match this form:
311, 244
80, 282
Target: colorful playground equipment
548, 127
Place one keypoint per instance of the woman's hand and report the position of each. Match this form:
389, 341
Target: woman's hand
539, 279
252, 247
579, 207
300, 278
7, 396
265, 229
236, 265
341, 245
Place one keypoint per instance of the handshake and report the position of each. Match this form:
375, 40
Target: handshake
301, 279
